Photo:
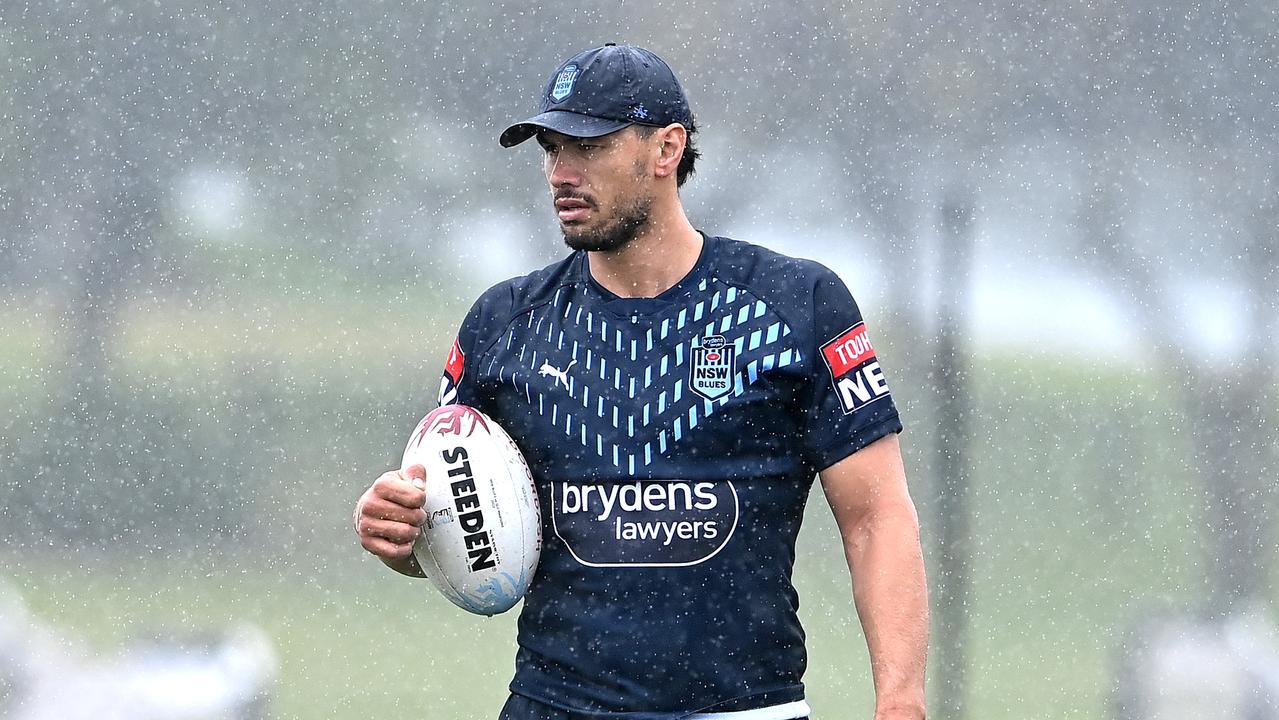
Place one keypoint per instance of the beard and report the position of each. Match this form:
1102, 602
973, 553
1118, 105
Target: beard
616, 233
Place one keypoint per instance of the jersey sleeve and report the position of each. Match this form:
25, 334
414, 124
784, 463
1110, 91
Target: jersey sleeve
850, 404
457, 383
460, 383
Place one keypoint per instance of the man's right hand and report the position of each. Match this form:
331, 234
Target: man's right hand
389, 517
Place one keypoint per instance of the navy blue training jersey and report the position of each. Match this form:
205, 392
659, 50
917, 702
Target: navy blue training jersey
674, 441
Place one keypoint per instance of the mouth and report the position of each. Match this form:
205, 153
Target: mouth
571, 209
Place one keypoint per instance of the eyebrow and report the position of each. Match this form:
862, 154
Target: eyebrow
561, 139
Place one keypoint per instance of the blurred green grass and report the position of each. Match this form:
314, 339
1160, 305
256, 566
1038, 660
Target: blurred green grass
357, 640
1084, 515
351, 640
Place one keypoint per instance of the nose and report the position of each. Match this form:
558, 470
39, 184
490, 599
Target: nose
561, 172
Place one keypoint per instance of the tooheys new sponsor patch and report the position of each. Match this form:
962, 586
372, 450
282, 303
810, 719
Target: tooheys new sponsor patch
858, 379
644, 523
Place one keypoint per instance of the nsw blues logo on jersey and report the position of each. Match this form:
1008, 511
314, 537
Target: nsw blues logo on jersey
453, 369
711, 372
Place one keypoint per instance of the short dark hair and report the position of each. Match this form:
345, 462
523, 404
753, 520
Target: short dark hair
687, 161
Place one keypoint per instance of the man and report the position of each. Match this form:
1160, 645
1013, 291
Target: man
674, 395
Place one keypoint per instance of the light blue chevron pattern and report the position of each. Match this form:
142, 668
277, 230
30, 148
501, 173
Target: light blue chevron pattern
616, 393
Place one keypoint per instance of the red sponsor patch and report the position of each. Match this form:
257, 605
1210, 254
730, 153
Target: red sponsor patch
858, 379
848, 351
455, 364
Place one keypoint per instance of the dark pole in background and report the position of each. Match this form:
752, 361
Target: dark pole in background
951, 381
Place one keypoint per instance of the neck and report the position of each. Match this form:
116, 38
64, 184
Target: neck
660, 256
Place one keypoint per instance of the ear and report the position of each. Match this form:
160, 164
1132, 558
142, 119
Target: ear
670, 142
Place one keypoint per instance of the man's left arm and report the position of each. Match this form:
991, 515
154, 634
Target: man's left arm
880, 530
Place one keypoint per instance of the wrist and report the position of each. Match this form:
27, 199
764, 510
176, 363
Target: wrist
900, 711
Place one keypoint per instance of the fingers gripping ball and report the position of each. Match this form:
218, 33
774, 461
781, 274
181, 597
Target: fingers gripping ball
483, 532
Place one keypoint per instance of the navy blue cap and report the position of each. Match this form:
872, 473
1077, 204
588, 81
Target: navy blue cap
603, 90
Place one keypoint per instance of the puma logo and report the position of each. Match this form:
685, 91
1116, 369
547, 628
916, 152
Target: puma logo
561, 376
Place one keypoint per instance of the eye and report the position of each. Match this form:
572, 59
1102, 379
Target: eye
587, 147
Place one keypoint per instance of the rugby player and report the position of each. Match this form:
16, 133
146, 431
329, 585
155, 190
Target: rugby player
675, 393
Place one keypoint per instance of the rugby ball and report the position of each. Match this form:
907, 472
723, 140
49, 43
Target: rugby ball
483, 532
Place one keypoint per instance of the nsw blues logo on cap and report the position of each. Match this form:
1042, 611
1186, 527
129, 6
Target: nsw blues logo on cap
564, 83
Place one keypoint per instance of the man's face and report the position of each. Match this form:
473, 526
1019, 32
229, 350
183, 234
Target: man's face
602, 187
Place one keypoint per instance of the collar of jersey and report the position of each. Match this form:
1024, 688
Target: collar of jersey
633, 308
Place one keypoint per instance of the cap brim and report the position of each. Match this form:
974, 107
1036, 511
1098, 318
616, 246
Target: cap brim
560, 121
